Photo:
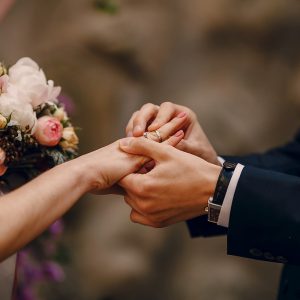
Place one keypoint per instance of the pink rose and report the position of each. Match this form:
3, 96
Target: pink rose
48, 131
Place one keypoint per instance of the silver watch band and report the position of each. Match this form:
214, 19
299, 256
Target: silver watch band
213, 211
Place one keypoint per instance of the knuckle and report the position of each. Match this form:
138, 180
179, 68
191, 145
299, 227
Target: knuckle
133, 217
142, 189
148, 106
191, 114
143, 206
138, 190
167, 104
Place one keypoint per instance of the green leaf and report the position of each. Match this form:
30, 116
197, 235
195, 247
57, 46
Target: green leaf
107, 6
57, 156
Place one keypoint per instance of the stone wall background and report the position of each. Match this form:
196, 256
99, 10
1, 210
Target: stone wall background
236, 63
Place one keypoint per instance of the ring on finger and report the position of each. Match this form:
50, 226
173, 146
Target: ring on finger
157, 133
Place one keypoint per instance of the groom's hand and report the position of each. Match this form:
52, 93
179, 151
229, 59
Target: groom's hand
176, 189
106, 166
152, 117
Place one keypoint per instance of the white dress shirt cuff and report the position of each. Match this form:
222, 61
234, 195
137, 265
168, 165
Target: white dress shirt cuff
226, 207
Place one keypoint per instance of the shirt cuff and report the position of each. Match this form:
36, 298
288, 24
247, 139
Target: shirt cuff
221, 160
226, 206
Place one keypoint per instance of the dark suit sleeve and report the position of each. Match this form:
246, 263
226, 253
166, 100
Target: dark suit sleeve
285, 159
265, 217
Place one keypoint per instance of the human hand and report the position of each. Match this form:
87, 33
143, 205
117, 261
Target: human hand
108, 165
152, 117
175, 190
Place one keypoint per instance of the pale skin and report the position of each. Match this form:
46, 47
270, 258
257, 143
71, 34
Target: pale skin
181, 181
28, 211
152, 117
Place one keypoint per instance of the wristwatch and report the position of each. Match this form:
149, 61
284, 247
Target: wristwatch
215, 203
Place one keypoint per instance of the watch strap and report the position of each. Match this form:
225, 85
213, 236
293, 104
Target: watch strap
215, 203
223, 182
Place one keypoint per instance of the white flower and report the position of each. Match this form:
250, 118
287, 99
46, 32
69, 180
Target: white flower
60, 114
20, 113
31, 82
70, 139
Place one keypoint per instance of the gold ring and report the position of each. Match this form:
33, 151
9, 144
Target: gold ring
158, 135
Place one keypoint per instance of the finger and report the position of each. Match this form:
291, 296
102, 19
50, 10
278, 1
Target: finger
146, 113
136, 217
166, 112
175, 139
168, 129
129, 127
143, 147
128, 200
132, 182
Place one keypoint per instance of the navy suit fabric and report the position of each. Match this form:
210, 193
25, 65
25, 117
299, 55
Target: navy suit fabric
265, 215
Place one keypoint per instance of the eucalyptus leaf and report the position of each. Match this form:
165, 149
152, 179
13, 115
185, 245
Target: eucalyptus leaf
56, 155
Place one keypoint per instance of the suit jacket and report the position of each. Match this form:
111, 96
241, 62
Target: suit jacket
265, 215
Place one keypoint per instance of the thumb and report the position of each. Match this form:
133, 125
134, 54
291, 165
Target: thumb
144, 147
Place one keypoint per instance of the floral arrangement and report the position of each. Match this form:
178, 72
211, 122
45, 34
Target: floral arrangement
35, 135
35, 131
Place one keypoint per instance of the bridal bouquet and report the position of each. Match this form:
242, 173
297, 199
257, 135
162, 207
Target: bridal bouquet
35, 131
35, 135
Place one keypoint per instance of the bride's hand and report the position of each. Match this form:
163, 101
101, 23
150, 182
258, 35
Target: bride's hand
108, 165
152, 117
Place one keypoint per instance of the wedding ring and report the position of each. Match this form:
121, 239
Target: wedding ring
153, 135
158, 135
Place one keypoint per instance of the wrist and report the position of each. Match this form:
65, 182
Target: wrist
207, 186
213, 176
80, 170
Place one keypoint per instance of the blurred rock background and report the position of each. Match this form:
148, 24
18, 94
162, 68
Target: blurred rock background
236, 63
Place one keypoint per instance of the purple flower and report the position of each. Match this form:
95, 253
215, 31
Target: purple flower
57, 227
68, 103
23, 257
54, 271
26, 294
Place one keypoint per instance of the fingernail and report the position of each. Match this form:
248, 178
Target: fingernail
137, 129
129, 134
182, 114
179, 133
125, 142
